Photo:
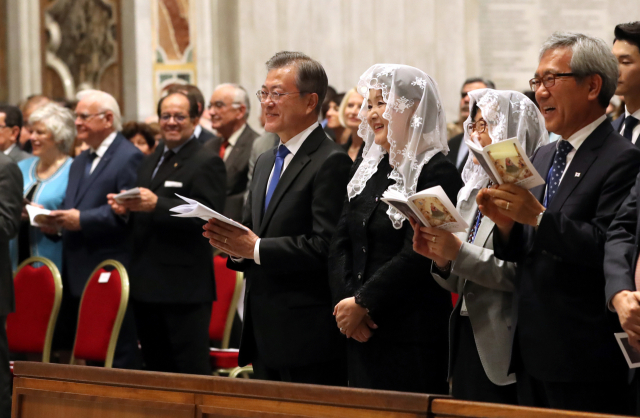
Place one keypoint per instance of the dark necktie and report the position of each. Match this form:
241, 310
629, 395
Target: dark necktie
277, 172
559, 164
87, 167
629, 123
163, 161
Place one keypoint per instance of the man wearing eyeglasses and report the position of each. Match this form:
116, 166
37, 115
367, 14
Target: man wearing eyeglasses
294, 203
10, 128
171, 272
565, 354
91, 232
229, 110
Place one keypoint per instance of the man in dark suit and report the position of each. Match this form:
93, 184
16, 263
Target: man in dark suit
458, 150
172, 283
91, 232
201, 134
626, 48
564, 354
229, 109
294, 203
10, 210
10, 127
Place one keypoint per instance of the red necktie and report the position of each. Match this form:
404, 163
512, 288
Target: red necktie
223, 148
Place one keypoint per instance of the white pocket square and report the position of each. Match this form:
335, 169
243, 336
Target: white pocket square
172, 184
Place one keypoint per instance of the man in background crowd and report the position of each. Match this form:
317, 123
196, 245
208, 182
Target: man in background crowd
201, 134
10, 129
626, 49
91, 232
229, 110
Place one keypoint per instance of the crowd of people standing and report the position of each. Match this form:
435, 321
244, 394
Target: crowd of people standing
341, 288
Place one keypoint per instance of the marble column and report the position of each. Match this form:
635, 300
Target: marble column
24, 69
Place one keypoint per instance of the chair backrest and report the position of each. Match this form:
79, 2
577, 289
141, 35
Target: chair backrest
38, 294
228, 292
102, 308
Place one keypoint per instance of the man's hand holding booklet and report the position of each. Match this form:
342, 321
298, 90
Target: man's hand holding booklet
194, 209
430, 207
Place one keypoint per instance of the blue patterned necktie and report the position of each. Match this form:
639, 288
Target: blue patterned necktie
559, 164
277, 172
629, 123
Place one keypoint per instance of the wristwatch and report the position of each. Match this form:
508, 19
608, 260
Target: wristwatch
539, 218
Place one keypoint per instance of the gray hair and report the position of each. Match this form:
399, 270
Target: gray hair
310, 77
590, 56
58, 120
106, 102
240, 97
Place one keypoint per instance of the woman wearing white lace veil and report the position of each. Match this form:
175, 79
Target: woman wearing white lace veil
464, 263
395, 321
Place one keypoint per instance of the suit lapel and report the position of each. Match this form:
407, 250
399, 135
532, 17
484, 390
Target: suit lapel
580, 164
299, 161
237, 151
175, 164
76, 172
86, 183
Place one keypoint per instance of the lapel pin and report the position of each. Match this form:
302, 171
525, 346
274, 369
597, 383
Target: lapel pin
577, 174
176, 164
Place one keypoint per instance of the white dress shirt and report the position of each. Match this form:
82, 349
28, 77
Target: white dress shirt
636, 130
8, 150
293, 145
232, 141
102, 148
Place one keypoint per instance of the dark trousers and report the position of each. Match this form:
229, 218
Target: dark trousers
330, 373
470, 381
606, 397
127, 354
5, 373
174, 336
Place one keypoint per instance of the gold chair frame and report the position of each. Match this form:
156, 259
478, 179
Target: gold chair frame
124, 300
53, 316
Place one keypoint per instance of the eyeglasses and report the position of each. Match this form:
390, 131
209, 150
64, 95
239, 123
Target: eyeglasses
166, 117
275, 97
221, 105
479, 127
86, 116
549, 80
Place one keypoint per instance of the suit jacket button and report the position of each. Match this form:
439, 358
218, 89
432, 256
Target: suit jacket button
364, 222
359, 275
377, 197
470, 295
364, 250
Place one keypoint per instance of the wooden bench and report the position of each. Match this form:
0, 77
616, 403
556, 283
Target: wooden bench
57, 391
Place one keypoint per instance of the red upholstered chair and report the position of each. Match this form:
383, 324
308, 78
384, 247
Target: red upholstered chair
228, 292
102, 307
38, 293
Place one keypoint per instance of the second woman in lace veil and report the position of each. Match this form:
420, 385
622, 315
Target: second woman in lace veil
395, 321
464, 263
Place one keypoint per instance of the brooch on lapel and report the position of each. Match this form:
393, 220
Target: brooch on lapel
577, 174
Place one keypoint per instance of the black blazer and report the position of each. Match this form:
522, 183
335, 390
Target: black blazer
10, 210
237, 165
171, 261
288, 310
564, 332
375, 262
617, 124
205, 136
454, 149
622, 246
103, 234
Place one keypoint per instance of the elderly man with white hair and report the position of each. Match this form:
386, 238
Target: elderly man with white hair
229, 109
91, 232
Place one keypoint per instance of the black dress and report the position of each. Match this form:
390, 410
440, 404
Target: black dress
374, 262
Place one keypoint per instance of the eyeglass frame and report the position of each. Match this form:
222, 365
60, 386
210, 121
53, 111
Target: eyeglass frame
180, 119
552, 81
233, 105
84, 117
275, 96
471, 128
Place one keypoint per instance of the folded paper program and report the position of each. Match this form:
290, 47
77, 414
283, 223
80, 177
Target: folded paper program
37, 215
129, 194
193, 209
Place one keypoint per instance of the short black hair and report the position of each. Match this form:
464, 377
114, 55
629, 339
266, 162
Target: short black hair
310, 75
474, 111
193, 105
485, 81
131, 129
12, 116
629, 32
191, 91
